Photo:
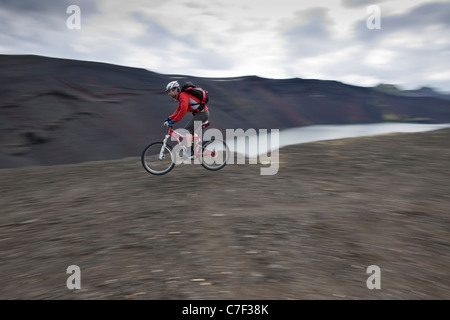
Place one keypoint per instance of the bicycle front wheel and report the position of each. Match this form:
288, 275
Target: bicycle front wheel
157, 158
215, 154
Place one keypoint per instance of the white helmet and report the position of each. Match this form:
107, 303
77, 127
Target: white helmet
172, 85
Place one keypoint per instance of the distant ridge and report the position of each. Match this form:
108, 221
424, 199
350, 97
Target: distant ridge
56, 111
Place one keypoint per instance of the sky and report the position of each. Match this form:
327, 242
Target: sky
358, 42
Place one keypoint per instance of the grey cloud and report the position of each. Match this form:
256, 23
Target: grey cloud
193, 5
210, 59
159, 39
249, 25
48, 7
155, 34
37, 21
414, 21
312, 35
39, 27
28, 6
204, 9
425, 15
408, 66
360, 3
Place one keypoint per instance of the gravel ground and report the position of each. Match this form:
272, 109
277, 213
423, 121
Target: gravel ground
308, 232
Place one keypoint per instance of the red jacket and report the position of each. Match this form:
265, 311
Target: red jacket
185, 102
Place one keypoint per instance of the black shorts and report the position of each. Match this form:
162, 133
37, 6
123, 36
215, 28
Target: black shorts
201, 116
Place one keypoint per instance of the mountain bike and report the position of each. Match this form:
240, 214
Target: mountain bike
159, 157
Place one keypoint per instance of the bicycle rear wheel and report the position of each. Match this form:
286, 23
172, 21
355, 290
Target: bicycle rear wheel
157, 159
215, 154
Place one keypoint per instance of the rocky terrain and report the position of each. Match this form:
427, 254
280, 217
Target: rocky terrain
309, 232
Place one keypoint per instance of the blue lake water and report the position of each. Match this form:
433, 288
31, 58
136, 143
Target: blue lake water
262, 143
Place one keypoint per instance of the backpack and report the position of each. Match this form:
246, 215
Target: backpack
197, 92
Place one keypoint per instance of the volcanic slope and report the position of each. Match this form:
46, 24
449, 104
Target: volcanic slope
308, 232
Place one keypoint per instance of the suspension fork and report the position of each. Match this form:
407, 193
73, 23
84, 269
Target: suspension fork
161, 152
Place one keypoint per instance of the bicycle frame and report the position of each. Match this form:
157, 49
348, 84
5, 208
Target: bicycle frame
177, 136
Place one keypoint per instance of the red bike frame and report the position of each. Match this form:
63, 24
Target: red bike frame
197, 141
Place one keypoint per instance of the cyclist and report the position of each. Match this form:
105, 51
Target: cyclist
186, 102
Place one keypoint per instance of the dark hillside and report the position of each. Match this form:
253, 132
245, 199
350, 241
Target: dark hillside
57, 111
